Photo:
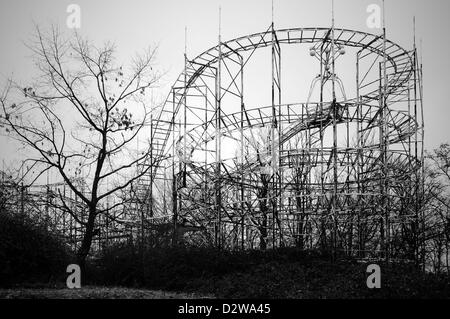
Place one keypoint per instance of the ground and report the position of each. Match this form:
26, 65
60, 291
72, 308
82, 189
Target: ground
92, 292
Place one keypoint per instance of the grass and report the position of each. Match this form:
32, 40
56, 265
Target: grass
92, 292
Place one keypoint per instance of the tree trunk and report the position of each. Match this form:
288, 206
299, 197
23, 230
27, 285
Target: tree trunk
263, 233
300, 225
86, 243
263, 191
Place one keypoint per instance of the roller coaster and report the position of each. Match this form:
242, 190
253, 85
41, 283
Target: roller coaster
339, 170
333, 172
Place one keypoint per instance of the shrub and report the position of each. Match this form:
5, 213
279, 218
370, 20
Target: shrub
280, 273
29, 253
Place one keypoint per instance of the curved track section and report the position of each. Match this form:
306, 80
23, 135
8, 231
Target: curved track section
309, 174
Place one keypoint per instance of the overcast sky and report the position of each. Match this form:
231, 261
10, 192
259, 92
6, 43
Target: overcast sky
135, 24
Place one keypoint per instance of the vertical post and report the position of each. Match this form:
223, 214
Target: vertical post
206, 189
422, 179
241, 60
107, 223
272, 137
185, 88
385, 142
349, 160
142, 232
174, 177
359, 154
382, 177
218, 114
182, 130
22, 198
322, 232
334, 107
152, 169
416, 170
280, 148
276, 125
73, 224
164, 191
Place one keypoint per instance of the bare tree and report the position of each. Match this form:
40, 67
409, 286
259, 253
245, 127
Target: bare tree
80, 117
436, 224
261, 176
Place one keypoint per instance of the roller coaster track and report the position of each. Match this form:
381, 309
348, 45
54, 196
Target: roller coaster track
399, 73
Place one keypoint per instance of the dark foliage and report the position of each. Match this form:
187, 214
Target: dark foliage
282, 273
29, 252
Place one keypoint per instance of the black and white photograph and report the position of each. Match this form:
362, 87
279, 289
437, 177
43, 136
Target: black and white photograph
224, 154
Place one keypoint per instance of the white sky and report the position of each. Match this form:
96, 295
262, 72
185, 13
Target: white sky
135, 24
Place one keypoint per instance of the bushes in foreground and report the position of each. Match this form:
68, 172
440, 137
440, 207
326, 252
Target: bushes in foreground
174, 268
29, 253
282, 273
